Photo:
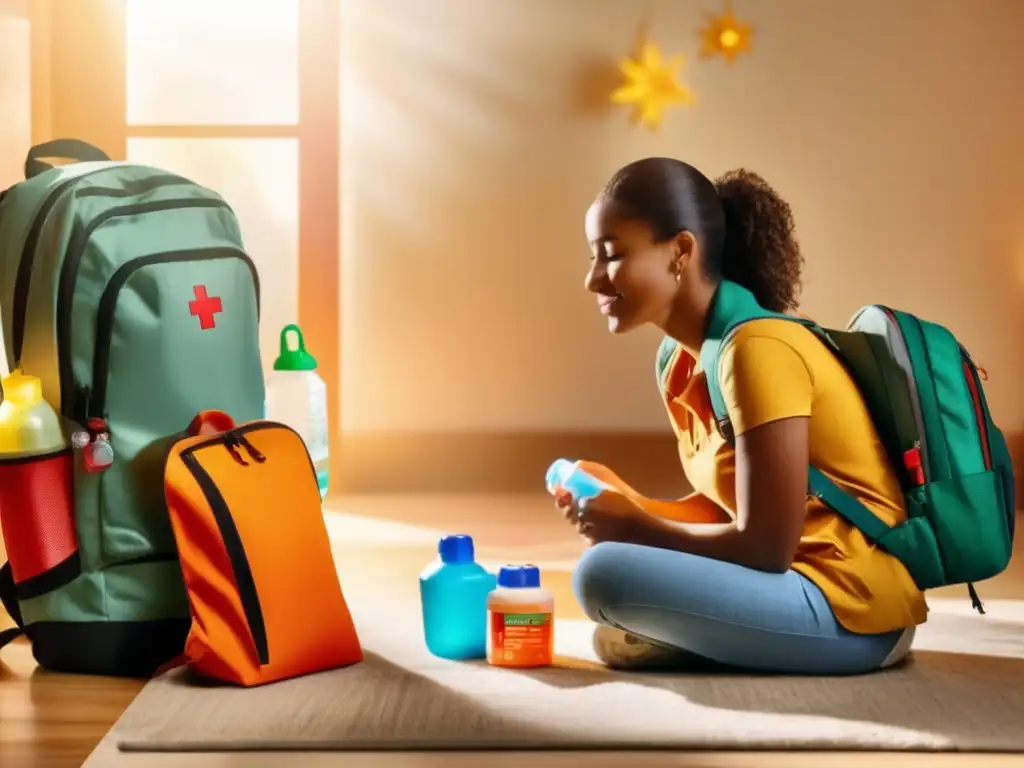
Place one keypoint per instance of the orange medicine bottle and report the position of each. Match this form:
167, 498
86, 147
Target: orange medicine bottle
520, 619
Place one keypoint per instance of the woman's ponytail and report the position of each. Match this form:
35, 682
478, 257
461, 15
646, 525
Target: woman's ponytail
760, 250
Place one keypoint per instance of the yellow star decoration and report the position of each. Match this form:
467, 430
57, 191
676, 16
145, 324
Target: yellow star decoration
651, 85
725, 36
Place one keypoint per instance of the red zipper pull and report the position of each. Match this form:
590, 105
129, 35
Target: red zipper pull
914, 465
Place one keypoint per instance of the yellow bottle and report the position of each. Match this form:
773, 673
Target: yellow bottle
29, 426
36, 486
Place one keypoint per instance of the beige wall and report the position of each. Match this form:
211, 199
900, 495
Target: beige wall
15, 107
475, 135
15, 92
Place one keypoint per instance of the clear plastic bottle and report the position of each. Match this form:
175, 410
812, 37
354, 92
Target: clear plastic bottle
453, 593
568, 476
520, 620
297, 397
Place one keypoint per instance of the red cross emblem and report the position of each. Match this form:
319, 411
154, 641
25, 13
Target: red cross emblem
205, 307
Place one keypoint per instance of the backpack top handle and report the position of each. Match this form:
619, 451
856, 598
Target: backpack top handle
72, 149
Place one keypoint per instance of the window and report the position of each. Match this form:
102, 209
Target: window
212, 62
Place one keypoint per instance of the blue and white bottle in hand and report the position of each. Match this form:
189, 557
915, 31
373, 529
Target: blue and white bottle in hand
568, 476
453, 593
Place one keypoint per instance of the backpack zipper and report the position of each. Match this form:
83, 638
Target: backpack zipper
245, 582
915, 458
136, 186
974, 386
244, 579
237, 437
73, 260
95, 405
23, 278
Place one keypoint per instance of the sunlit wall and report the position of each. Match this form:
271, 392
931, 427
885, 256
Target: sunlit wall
476, 133
15, 96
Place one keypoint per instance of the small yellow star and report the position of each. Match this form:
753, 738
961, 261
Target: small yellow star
651, 85
725, 36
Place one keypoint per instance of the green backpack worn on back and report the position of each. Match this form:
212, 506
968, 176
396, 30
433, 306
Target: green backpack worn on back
928, 406
127, 290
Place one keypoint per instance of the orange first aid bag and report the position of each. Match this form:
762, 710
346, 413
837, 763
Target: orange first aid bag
264, 592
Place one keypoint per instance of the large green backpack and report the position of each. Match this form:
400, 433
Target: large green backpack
929, 408
127, 290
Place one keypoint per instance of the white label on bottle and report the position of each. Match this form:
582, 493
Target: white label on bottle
316, 429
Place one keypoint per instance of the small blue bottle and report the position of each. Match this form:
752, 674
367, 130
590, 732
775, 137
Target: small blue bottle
453, 593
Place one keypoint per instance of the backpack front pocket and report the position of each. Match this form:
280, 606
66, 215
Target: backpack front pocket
38, 520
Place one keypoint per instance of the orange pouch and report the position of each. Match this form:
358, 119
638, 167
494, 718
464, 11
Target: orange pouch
265, 596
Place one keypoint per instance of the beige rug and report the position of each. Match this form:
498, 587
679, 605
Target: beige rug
962, 689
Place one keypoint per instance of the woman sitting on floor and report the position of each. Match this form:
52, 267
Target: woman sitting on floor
747, 571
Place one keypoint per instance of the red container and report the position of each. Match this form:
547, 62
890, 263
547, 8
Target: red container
38, 520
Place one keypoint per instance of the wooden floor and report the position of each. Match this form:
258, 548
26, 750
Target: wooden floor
50, 720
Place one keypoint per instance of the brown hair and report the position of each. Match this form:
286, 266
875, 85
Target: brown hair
744, 227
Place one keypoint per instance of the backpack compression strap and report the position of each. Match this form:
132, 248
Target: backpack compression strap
734, 305
10, 603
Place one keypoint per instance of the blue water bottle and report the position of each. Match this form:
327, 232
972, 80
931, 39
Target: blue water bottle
453, 593
568, 476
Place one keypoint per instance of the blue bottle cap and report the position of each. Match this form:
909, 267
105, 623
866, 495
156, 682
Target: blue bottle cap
510, 576
531, 576
519, 576
457, 548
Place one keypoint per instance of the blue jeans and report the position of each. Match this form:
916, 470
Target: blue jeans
732, 615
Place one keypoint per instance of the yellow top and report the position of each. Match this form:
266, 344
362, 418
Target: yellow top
774, 369
21, 390
28, 424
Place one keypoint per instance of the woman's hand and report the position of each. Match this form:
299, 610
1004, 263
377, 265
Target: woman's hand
610, 517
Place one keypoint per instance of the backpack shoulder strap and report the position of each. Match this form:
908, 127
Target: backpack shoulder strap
733, 306
832, 496
666, 351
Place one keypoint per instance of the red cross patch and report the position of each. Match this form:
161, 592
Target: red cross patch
205, 307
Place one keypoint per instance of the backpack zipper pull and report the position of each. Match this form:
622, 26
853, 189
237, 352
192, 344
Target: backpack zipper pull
914, 465
94, 444
975, 600
229, 442
259, 457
